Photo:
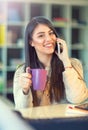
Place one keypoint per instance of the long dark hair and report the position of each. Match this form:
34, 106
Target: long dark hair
31, 59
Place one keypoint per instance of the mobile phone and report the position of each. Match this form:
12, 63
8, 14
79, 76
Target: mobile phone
82, 106
59, 48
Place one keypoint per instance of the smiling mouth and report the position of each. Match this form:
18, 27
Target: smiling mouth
48, 45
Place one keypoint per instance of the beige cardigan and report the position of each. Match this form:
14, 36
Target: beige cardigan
75, 87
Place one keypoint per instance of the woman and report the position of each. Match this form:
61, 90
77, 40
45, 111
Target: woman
64, 75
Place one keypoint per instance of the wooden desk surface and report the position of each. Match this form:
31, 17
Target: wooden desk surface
45, 112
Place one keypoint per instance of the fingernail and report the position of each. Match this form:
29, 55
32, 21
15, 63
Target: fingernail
28, 70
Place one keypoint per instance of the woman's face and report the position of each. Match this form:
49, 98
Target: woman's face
43, 40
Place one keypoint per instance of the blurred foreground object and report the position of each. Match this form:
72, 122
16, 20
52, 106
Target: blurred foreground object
10, 121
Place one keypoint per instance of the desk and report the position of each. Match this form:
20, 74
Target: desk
54, 117
48, 112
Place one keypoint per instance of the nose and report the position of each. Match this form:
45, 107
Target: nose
48, 37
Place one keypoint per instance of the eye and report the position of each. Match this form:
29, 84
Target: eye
51, 33
41, 35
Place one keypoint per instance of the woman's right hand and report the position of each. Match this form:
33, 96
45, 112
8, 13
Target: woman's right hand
26, 81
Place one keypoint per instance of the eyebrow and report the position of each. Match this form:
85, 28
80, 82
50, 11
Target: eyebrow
40, 32
43, 32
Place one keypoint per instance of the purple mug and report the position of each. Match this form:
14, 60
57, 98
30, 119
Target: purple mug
39, 78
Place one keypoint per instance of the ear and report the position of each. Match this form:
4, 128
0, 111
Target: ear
31, 43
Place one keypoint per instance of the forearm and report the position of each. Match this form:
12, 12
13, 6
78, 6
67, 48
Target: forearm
75, 88
21, 100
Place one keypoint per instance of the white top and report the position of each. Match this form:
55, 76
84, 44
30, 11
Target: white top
75, 87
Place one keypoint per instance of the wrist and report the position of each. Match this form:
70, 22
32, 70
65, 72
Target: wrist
67, 63
68, 67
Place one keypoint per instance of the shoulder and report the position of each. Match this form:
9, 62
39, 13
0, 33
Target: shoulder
20, 68
76, 62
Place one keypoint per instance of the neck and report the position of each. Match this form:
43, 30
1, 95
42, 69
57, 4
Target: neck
46, 60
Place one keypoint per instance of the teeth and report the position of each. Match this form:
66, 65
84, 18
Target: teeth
49, 45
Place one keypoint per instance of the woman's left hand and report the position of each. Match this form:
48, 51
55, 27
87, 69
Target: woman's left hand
64, 54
